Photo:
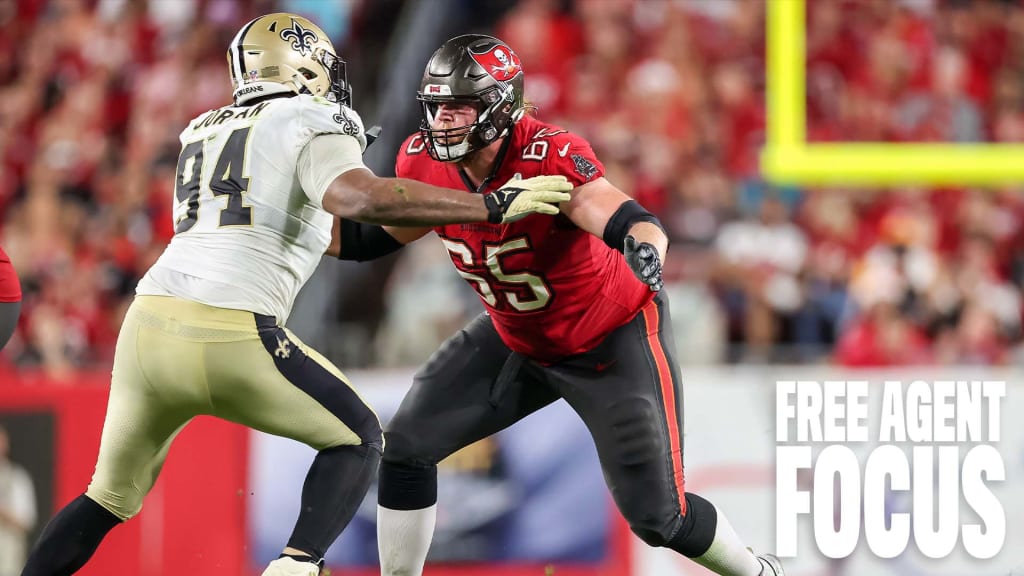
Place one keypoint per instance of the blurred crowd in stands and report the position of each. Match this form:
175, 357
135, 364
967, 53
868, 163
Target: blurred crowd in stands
670, 93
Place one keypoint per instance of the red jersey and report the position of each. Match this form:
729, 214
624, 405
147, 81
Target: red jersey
552, 289
10, 289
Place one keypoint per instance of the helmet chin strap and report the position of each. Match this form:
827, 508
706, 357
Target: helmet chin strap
457, 152
495, 167
452, 152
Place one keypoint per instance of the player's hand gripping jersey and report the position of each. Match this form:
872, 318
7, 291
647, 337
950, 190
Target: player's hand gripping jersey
247, 236
552, 289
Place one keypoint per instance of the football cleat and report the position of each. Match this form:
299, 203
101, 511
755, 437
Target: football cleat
770, 565
291, 567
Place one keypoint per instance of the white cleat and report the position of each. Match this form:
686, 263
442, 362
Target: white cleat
770, 565
291, 567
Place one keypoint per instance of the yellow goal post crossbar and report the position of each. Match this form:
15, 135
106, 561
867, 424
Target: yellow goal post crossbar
788, 158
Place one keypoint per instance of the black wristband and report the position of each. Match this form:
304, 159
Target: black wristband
362, 242
629, 213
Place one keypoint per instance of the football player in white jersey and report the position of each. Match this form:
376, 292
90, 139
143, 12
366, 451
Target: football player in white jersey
258, 186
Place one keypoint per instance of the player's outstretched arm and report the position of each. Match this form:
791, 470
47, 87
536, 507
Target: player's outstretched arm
608, 213
360, 241
332, 174
362, 196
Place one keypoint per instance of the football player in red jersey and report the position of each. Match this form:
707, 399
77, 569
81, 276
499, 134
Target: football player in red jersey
10, 298
573, 311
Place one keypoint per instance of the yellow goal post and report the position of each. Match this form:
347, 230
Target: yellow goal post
788, 158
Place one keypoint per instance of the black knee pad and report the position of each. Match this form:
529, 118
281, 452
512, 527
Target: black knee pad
405, 486
697, 530
690, 534
655, 532
653, 521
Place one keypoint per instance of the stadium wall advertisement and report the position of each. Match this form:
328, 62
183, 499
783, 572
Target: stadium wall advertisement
191, 523
531, 500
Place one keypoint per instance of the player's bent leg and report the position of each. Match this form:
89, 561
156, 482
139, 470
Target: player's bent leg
147, 407
454, 401
726, 553
633, 409
276, 384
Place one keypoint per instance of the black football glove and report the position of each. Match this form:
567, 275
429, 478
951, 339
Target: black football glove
644, 261
520, 198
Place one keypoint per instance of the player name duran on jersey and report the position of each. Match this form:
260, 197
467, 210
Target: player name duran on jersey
238, 202
215, 117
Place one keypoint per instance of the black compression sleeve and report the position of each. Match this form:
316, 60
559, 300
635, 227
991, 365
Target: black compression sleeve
362, 242
629, 213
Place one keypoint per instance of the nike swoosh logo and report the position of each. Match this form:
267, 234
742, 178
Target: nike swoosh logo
564, 150
602, 366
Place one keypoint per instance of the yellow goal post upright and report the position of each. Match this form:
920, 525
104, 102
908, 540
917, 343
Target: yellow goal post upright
788, 158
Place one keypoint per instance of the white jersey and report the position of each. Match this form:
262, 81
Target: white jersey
247, 236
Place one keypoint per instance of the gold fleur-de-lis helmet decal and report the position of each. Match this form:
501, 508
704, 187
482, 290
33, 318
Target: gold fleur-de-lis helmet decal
302, 38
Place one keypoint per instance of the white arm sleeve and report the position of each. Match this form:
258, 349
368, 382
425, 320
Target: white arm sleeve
326, 157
